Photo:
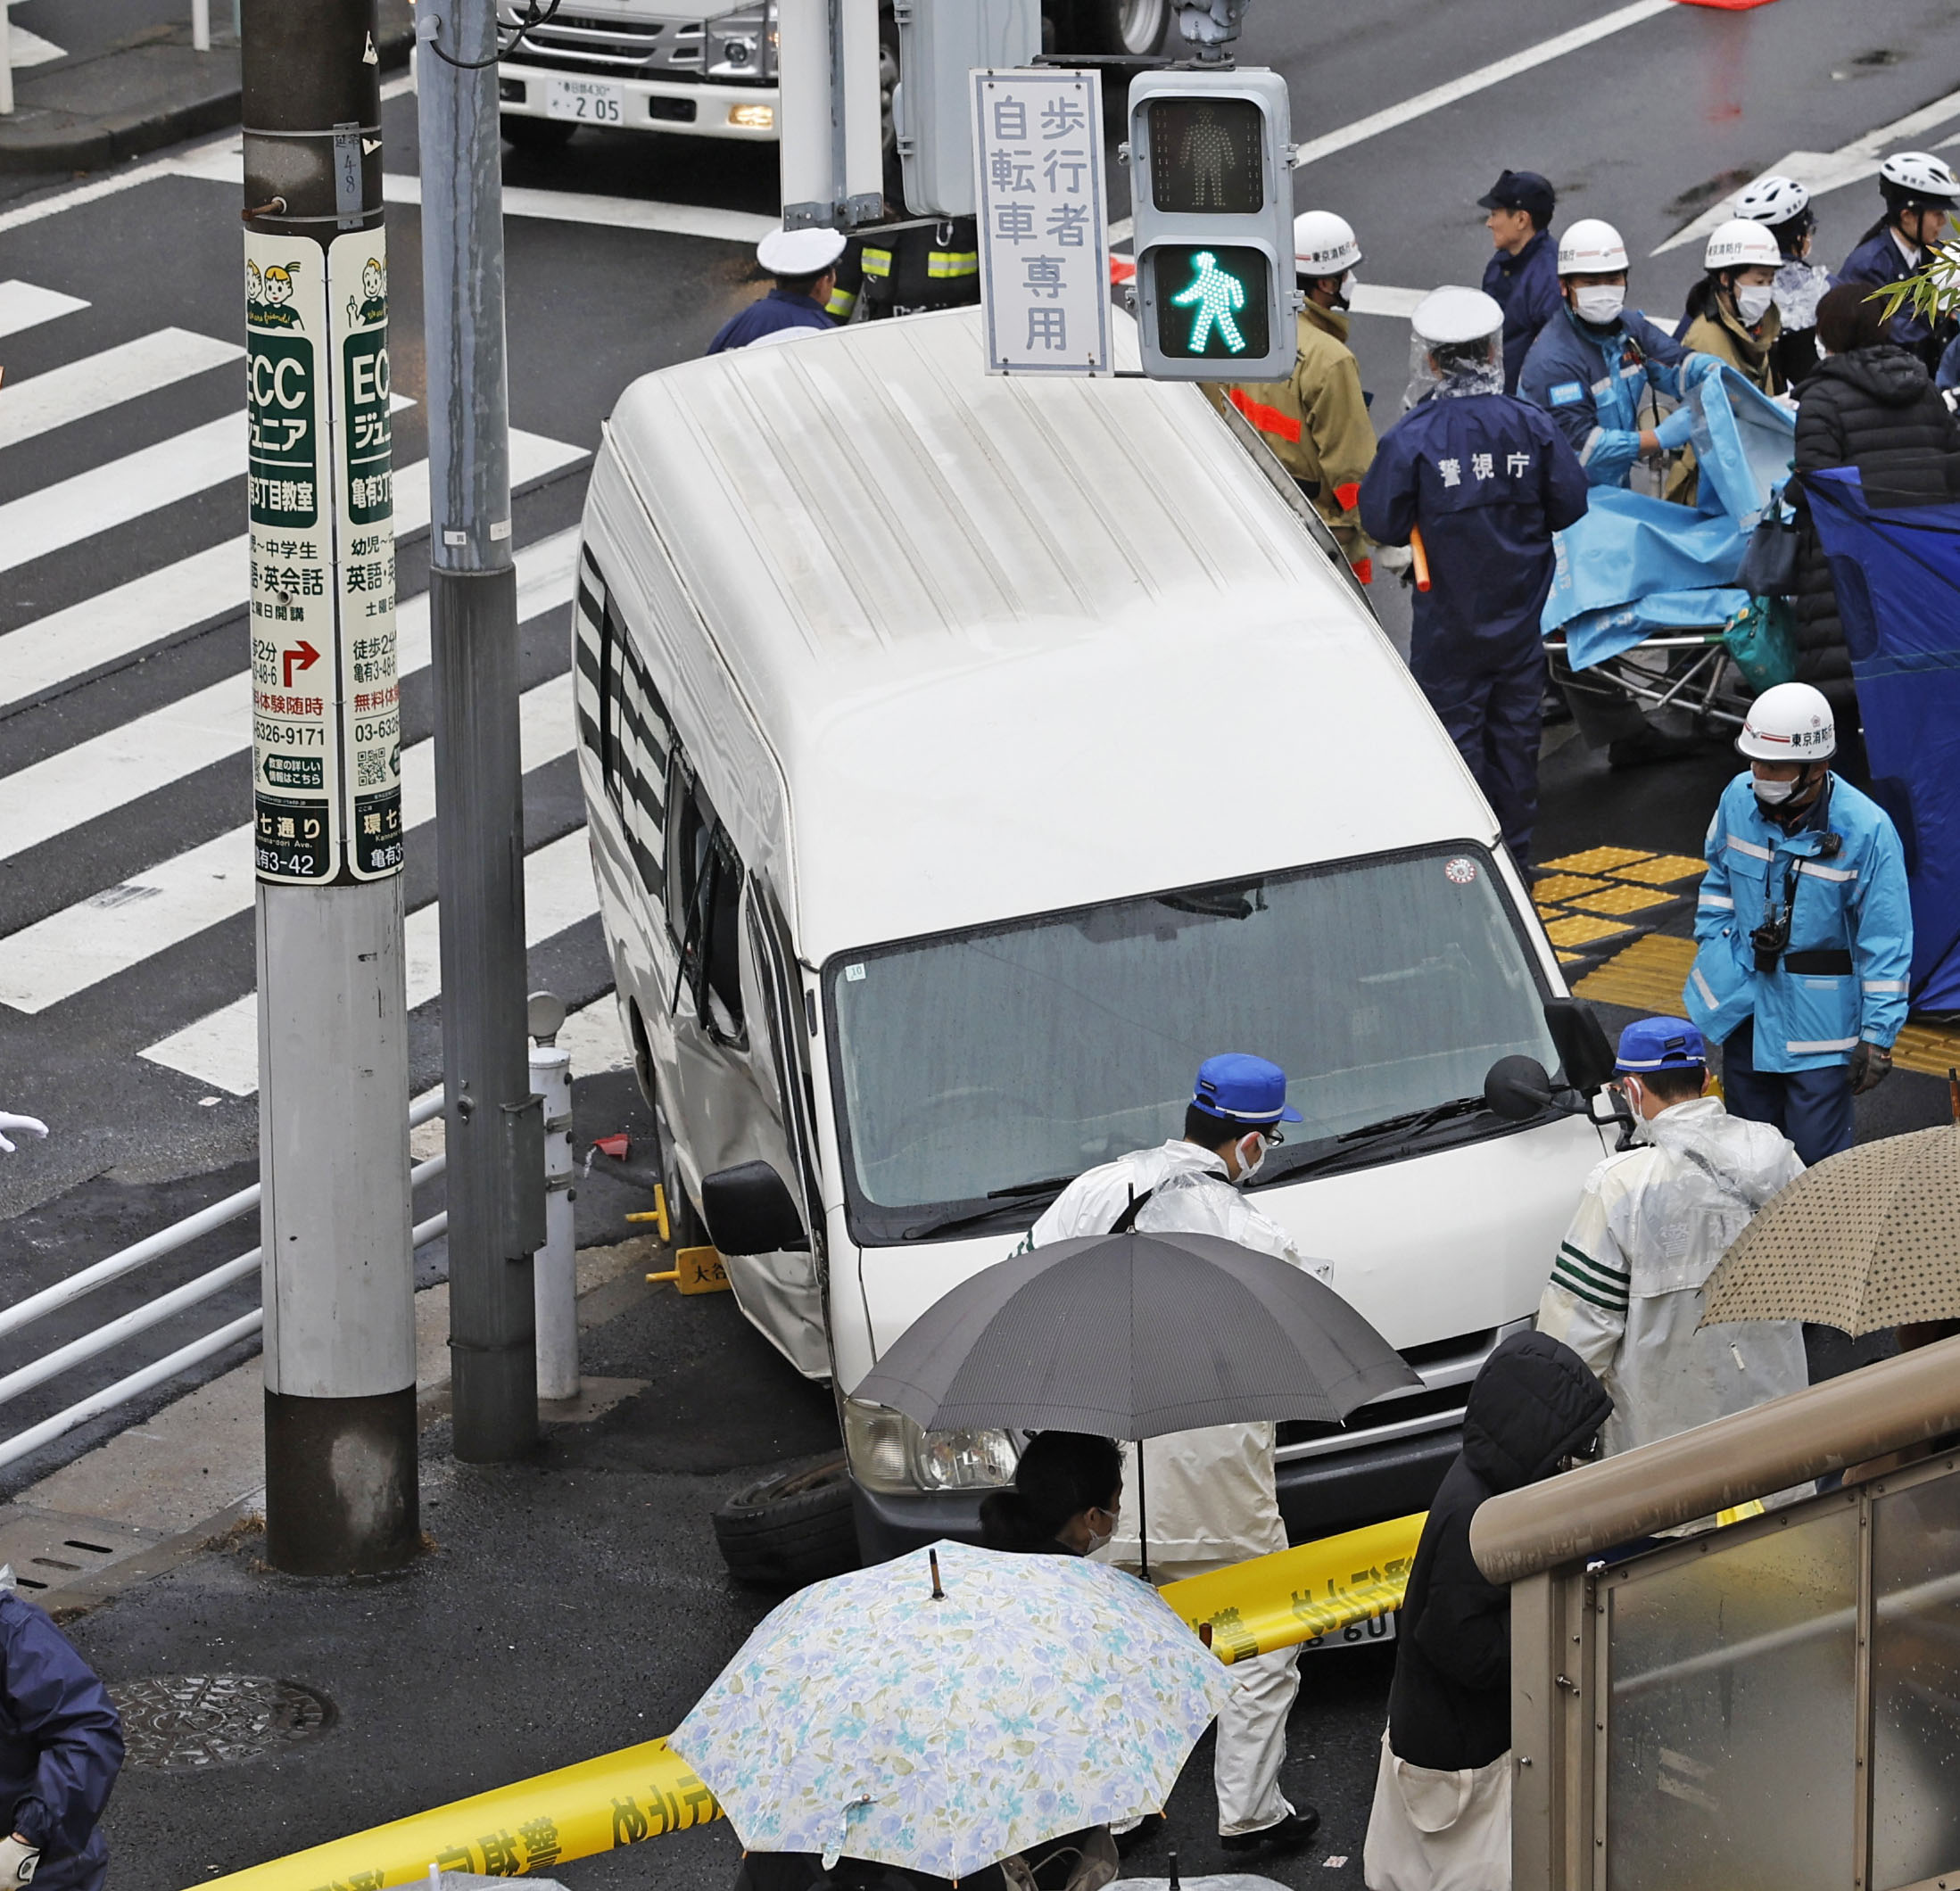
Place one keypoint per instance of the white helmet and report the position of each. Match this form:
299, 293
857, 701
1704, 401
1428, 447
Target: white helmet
1773, 200
1742, 244
1791, 723
1324, 244
1451, 315
1917, 177
1591, 247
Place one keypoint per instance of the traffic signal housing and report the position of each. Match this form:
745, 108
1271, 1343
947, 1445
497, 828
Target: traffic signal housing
1211, 175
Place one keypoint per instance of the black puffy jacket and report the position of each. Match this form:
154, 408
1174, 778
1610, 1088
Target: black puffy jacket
1533, 1403
1875, 408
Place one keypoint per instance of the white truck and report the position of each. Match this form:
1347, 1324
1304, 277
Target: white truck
652, 65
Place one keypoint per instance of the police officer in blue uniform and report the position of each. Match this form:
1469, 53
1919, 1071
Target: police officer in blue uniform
1804, 929
60, 1748
1522, 277
1486, 480
804, 263
1920, 193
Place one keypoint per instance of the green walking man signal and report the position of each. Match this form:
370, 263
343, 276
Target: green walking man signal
1211, 162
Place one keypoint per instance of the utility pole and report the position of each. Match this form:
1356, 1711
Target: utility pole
495, 1126
327, 800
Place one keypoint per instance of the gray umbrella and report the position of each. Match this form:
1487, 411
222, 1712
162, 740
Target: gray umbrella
1133, 1335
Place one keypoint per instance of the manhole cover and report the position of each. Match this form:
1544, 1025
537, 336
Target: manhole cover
183, 1722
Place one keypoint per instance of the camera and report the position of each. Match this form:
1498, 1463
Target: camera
1771, 940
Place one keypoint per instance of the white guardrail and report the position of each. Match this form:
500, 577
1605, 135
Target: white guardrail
154, 1247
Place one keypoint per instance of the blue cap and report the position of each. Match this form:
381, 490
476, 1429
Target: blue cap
1240, 1088
1658, 1043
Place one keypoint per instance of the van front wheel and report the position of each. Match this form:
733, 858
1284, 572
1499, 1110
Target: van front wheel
794, 1527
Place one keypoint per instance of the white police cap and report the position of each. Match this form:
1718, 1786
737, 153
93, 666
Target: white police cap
799, 253
1451, 315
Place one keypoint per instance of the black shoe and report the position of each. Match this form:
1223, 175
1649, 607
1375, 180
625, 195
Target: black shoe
1139, 1835
1650, 744
1289, 1835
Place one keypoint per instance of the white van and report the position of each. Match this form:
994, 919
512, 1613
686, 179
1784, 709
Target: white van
968, 758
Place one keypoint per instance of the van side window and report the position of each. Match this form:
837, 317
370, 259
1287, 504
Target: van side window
624, 720
704, 907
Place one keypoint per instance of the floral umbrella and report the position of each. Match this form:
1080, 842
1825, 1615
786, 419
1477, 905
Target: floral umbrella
951, 1708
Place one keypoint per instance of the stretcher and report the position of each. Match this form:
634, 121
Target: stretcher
1682, 669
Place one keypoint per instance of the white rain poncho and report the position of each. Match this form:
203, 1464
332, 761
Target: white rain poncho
1627, 1289
1459, 322
1210, 1493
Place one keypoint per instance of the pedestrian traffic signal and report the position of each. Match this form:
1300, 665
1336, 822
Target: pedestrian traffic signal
1210, 170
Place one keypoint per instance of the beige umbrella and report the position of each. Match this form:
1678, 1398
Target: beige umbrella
1868, 1238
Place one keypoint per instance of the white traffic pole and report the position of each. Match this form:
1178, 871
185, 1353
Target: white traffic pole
6, 63
554, 1275
200, 26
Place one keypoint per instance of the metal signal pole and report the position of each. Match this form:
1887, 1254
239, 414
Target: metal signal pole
495, 1125
333, 1039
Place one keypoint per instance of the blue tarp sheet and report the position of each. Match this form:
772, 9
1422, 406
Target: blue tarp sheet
1620, 568
1897, 578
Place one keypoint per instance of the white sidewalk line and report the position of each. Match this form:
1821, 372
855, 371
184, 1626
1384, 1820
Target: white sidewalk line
178, 165
29, 49
1819, 172
117, 929
1480, 80
115, 624
622, 213
1379, 299
78, 389
121, 490
222, 1049
27, 305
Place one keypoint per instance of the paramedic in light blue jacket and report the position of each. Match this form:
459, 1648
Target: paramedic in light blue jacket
1804, 929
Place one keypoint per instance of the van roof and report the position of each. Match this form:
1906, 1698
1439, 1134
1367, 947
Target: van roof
1021, 644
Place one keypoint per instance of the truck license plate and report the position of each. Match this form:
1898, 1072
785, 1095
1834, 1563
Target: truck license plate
1371, 1633
589, 100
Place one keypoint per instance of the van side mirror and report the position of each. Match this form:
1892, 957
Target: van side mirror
749, 1210
1517, 1088
1582, 1046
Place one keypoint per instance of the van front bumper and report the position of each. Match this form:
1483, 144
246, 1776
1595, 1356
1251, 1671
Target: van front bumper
1318, 1497
701, 110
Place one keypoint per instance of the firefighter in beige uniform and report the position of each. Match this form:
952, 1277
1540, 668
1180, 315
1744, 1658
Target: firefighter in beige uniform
1316, 421
1628, 1287
1208, 1495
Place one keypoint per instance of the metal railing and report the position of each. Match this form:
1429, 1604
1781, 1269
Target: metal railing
113, 1332
1766, 1703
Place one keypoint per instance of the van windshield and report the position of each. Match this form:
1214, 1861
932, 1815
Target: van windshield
981, 1070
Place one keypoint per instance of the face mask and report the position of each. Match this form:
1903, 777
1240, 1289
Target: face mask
1250, 1166
1599, 302
1774, 793
1752, 302
1344, 295
1097, 1538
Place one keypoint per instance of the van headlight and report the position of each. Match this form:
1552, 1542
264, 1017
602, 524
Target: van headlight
889, 1452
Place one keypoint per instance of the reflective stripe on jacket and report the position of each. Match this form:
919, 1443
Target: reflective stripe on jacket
1845, 972
1316, 422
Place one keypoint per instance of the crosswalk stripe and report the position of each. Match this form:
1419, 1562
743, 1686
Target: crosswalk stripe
114, 624
123, 490
79, 389
222, 1048
27, 305
50, 960
90, 779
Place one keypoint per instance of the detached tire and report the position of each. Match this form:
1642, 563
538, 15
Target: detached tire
791, 1529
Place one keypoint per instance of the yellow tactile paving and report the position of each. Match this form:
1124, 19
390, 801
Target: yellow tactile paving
1565, 885
1623, 900
1581, 932
1665, 869
1598, 860
1647, 976
1928, 1049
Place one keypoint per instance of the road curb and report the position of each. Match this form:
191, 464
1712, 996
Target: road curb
153, 90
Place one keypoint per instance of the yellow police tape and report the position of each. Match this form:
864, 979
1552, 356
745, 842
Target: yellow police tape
649, 1790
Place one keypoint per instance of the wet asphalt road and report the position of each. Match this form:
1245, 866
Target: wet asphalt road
577, 1604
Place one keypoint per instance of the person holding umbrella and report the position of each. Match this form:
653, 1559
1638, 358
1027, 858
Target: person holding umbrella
1210, 1497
